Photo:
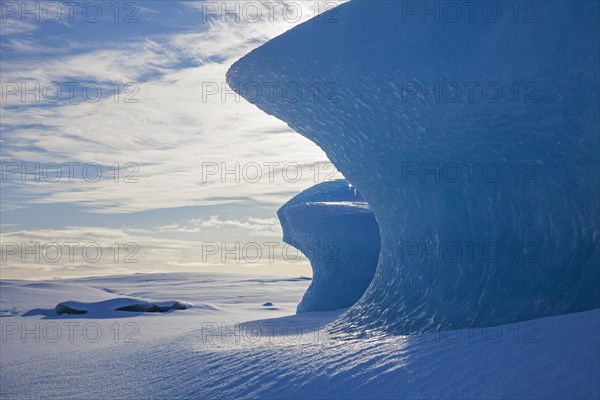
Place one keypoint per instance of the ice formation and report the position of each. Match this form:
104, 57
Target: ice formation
474, 138
336, 230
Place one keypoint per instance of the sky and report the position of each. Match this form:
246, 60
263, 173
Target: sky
124, 151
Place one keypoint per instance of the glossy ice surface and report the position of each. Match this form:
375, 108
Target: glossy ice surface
335, 228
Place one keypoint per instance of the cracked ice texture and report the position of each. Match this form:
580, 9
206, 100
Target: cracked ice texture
336, 230
541, 214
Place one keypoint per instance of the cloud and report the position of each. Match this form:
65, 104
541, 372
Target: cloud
13, 25
252, 226
92, 250
171, 131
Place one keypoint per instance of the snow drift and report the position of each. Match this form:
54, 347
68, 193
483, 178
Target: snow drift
475, 142
241, 351
336, 230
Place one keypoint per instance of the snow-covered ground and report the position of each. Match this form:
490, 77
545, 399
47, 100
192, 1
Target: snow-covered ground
241, 339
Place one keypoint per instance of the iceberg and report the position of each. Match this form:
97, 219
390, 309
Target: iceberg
336, 230
472, 135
